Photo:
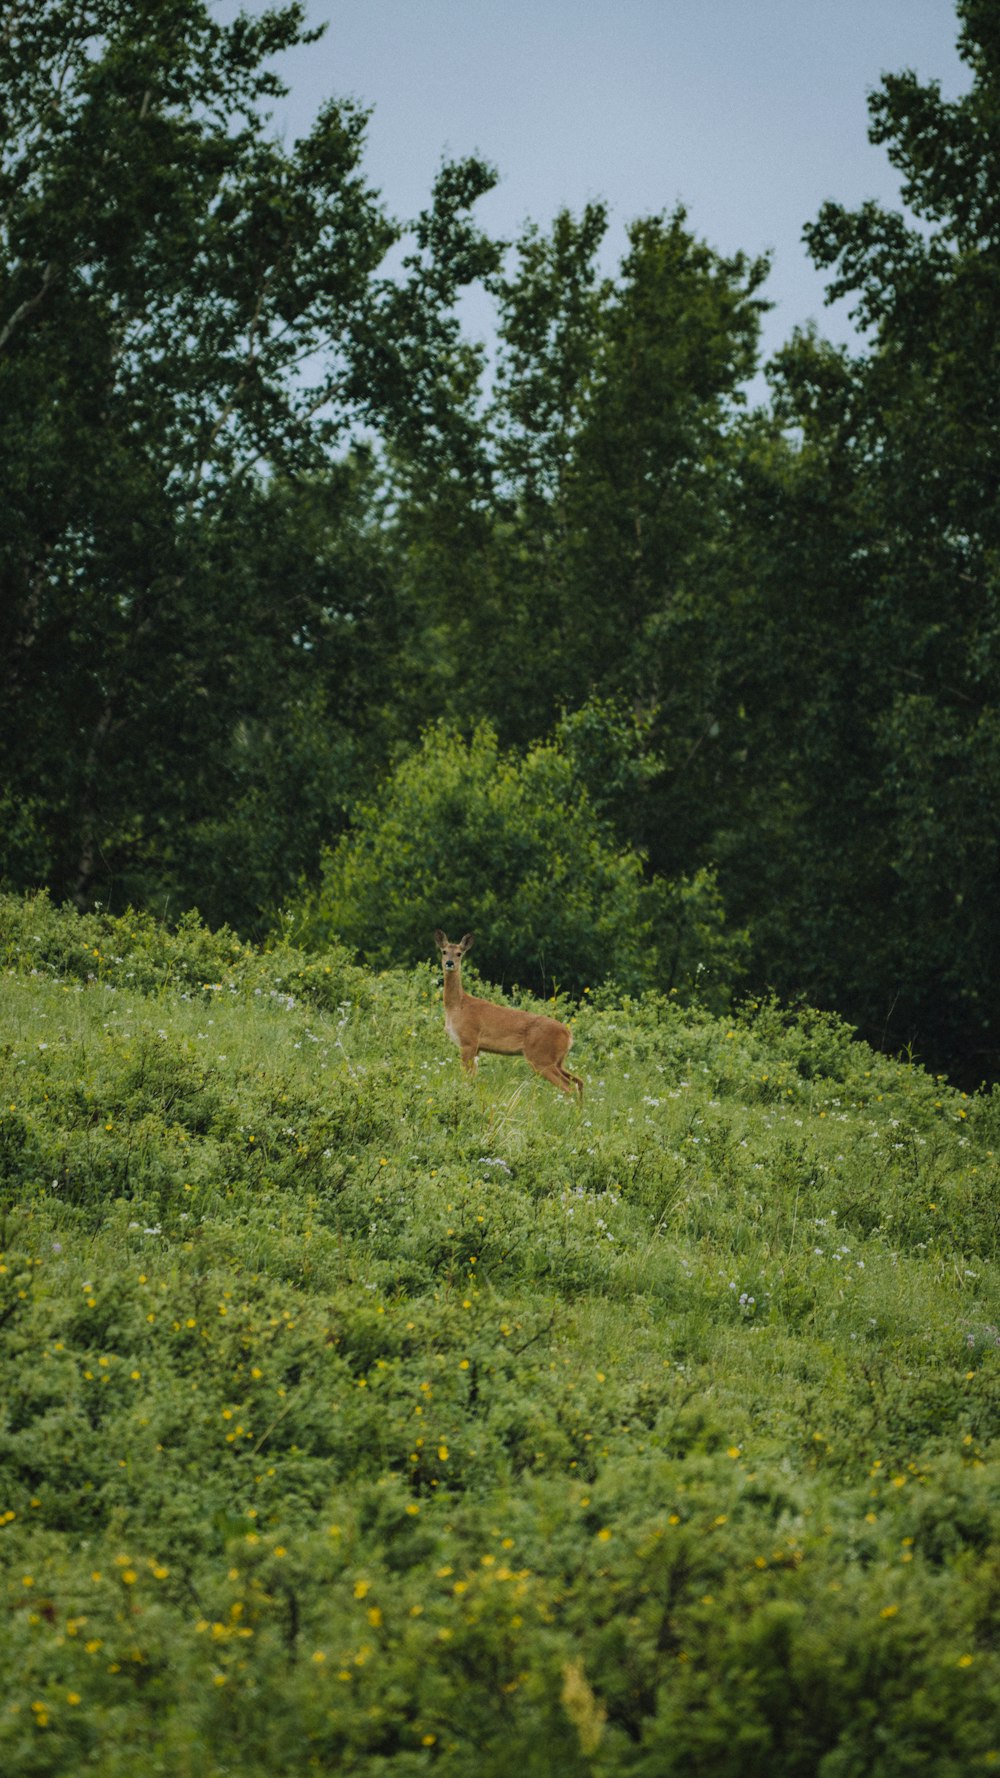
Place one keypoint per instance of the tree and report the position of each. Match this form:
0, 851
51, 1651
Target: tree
188, 310
861, 845
648, 488
556, 571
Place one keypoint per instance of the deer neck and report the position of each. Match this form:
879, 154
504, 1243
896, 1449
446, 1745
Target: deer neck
453, 995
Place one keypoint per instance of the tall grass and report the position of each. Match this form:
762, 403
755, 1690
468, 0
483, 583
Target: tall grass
360, 1419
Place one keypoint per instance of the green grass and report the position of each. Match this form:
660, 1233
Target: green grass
357, 1418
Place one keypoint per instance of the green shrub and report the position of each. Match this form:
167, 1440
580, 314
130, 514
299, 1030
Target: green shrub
136, 952
697, 955
465, 836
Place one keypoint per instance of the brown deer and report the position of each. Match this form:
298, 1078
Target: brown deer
475, 1025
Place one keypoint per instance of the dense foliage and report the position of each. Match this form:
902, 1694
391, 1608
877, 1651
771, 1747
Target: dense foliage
464, 833
266, 519
190, 312
357, 1417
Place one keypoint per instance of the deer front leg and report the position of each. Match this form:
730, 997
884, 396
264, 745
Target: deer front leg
470, 1059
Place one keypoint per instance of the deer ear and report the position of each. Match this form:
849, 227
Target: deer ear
467, 942
440, 939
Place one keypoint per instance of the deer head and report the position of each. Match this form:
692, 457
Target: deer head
451, 955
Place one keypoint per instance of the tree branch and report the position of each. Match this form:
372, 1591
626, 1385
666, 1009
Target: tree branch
50, 276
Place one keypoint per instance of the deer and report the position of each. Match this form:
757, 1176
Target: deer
475, 1025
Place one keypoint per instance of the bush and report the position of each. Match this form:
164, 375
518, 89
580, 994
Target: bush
465, 836
698, 956
136, 952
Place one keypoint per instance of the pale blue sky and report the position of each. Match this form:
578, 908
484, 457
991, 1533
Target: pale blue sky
750, 112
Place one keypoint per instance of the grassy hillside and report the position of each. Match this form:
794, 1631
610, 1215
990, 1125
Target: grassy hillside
360, 1419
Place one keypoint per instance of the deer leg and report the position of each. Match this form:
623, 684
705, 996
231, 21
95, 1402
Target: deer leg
470, 1061
558, 1076
570, 1082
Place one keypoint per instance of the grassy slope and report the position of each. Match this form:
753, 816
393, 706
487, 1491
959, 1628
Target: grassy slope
356, 1418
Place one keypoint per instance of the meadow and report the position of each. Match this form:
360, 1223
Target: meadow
360, 1418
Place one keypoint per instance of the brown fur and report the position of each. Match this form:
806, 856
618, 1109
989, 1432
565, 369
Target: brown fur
475, 1025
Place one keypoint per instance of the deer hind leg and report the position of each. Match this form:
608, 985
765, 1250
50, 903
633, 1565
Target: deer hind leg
569, 1081
577, 1082
559, 1077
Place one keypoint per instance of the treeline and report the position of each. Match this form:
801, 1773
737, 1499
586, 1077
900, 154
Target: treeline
287, 575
